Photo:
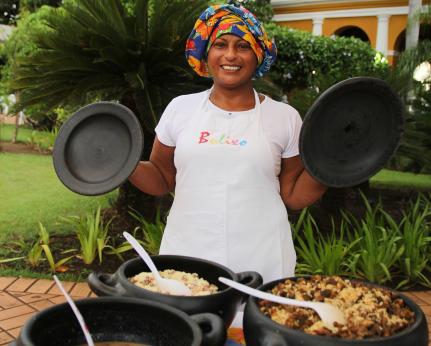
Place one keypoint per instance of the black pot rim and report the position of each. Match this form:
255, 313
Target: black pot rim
28, 326
80, 120
419, 315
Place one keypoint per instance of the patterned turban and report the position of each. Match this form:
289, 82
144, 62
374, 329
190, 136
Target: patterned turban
218, 20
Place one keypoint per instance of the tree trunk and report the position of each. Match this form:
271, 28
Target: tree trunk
15, 134
412, 33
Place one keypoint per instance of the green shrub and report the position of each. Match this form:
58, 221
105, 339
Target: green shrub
303, 58
153, 232
92, 234
317, 253
415, 233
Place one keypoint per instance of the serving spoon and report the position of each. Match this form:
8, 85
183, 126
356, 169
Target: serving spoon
75, 310
169, 285
327, 312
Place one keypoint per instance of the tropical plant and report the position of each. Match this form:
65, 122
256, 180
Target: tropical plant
44, 245
319, 254
376, 253
413, 153
96, 49
152, 231
33, 251
415, 232
92, 234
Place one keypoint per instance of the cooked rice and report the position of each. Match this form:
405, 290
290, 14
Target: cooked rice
369, 311
197, 285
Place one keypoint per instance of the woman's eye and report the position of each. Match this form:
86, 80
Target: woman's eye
219, 44
244, 46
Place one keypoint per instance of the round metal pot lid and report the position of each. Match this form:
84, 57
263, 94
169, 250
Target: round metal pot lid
98, 148
351, 131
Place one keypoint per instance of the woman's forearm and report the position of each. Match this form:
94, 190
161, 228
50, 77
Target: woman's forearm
306, 191
148, 178
157, 175
297, 187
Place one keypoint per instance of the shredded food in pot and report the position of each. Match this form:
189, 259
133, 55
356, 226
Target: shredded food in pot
369, 311
197, 285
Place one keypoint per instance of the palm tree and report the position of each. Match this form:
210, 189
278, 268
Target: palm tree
103, 49
412, 35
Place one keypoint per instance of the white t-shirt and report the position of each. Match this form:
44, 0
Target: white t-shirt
281, 124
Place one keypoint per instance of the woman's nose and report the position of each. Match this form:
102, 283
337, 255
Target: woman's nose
230, 53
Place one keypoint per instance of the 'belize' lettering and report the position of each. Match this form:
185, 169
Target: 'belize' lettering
205, 137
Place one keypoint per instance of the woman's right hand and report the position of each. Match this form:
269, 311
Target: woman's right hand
156, 176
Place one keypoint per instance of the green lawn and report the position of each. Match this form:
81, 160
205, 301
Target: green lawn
42, 139
401, 180
7, 131
31, 192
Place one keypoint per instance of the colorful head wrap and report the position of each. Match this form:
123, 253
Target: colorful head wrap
218, 20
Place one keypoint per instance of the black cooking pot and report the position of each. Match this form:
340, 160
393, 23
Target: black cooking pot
260, 330
121, 319
351, 131
223, 303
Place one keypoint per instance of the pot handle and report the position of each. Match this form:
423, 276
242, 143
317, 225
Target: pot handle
105, 284
250, 279
212, 327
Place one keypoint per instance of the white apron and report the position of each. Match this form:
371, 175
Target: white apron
227, 206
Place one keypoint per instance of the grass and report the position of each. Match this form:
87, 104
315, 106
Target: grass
401, 180
31, 192
22, 271
42, 139
7, 132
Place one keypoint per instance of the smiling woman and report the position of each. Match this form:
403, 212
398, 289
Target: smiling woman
230, 200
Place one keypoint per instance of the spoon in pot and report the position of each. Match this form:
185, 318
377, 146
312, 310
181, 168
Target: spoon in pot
169, 285
327, 312
75, 310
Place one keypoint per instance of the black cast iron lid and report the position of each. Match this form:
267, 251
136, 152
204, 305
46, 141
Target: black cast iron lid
98, 148
351, 131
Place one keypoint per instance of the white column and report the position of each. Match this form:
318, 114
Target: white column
317, 25
382, 33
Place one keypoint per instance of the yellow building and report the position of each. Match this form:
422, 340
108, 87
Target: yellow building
382, 23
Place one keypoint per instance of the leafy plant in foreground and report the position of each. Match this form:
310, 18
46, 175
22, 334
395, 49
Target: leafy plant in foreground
92, 235
152, 232
320, 254
377, 248
44, 244
415, 236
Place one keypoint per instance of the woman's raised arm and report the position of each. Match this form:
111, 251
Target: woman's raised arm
157, 175
297, 187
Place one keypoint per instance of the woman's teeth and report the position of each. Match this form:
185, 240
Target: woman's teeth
230, 68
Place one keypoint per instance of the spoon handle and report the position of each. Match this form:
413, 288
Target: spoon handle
140, 250
263, 295
75, 310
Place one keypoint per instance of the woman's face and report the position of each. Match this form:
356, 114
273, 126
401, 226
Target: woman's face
231, 61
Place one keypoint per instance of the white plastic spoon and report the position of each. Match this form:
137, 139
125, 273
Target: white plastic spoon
75, 310
169, 285
327, 312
